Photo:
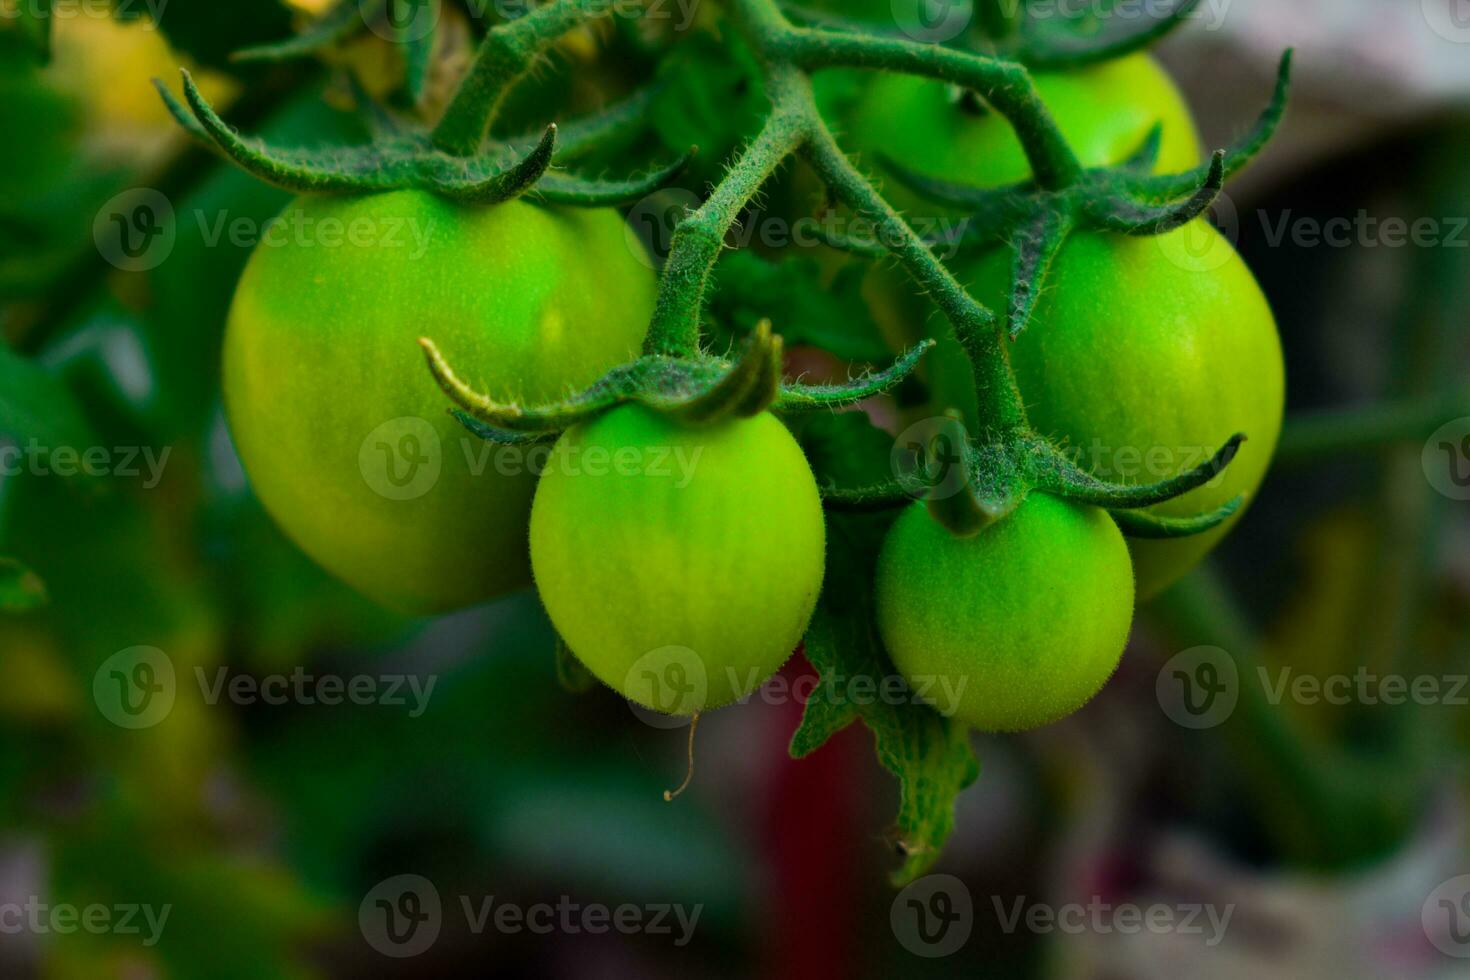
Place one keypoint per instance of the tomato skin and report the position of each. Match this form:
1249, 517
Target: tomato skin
1022, 624
712, 540
1104, 111
321, 350
1145, 356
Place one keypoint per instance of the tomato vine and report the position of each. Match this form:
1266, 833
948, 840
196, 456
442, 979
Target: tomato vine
1002, 464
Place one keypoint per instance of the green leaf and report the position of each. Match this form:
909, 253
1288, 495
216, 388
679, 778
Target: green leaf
930, 755
21, 589
801, 307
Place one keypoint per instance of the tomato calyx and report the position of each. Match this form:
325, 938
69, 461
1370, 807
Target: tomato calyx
456, 159
698, 389
401, 159
970, 485
1035, 223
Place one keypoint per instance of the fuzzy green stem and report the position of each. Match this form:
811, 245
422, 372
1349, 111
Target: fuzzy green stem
786, 49
1001, 408
506, 54
1004, 85
701, 236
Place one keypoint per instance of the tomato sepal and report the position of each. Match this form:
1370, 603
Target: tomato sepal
1056, 49
330, 29
1149, 527
402, 157
697, 390
970, 488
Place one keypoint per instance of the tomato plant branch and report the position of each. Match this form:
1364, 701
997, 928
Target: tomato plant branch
507, 53
1007, 86
974, 325
700, 237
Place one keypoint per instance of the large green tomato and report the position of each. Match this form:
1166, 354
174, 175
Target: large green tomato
1105, 112
1011, 629
342, 430
1144, 357
681, 565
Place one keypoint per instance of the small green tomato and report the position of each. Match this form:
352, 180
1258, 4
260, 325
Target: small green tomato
681, 565
1016, 627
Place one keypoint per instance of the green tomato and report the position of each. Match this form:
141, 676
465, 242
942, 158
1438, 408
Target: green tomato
1105, 112
681, 565
1014, 628
343, 432
1145, 355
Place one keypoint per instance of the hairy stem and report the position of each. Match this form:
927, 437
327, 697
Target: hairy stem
1001, 408
506, 54
1004, 85
700, 237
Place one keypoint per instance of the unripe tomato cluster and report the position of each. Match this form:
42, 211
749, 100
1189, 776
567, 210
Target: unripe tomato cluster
701, 546
1144, 355
684, 575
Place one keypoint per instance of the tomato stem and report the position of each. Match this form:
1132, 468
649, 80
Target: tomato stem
700, 237
506, 54
1006, 86
1000, 399
795, 125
